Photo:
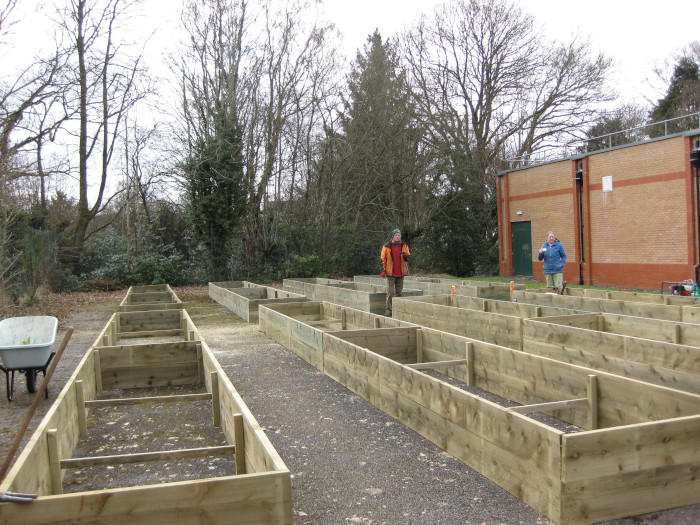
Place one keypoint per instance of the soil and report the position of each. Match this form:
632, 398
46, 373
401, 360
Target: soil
351, 463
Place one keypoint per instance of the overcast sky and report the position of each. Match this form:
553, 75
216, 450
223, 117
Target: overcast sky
629, 32
635, 36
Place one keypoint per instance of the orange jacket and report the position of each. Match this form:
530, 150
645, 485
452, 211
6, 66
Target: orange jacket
388, 261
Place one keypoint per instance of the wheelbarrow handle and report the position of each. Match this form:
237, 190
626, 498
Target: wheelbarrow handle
35, 403
17, 497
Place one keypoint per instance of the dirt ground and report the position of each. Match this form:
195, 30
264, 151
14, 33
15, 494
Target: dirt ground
351, 463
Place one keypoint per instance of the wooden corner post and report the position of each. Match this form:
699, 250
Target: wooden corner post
592, 395
80, 402
215, 403
470, 363
54, 461
239, 437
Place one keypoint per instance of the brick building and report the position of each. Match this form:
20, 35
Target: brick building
631, 221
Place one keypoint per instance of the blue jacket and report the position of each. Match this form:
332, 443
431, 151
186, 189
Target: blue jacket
554, 257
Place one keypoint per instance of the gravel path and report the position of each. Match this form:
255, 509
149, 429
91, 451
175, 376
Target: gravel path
351, 463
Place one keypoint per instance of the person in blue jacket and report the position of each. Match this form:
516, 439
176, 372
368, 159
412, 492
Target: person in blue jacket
554, 257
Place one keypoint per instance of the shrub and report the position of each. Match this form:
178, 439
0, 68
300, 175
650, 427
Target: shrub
63, 280
298, 266
156, 269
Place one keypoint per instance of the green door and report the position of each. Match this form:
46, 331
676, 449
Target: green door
522, 248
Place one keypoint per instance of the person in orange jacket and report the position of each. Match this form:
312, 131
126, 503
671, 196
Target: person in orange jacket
395, 256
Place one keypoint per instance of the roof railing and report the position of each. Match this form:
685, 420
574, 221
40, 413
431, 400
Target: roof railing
629, 136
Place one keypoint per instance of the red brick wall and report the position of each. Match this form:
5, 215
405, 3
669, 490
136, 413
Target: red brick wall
544, 194
639, 234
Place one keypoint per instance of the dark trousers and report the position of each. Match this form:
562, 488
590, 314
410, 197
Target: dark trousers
394, 288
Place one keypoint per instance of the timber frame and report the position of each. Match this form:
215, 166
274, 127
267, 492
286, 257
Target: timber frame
243, 297
439, 286
151, 297
259, 492
638, 297
637, 451
300, 285
661, 352
359, 296
489, 320
678, 309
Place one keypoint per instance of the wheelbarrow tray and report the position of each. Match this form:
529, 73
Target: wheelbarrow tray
25, 342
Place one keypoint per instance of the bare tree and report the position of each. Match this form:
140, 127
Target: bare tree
314, 193
257, 69
105, 86
26, 116
487, 82
286, 72
6, 9
31, 111
488, 86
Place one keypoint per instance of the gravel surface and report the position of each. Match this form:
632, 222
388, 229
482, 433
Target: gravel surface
351, 463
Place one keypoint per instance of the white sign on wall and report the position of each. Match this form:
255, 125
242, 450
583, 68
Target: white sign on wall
607, 183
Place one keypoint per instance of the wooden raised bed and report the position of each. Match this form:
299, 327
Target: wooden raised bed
638, 297
433, 286
637, 450
489, 320
260, 492
360, 296
666, 312
305, 285
298, 326
147, 323
243, 298
661, 352
153, 297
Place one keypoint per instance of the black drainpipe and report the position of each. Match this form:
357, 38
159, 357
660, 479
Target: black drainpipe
579, 183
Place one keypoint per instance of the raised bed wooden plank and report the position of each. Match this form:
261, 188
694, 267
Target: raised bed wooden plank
648, 467
478, 432
485, 326
148, 320
658, 362
259, 498
651, 311
182, 398
262, 496
244, 300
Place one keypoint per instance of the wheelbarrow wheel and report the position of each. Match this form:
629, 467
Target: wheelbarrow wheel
31, 380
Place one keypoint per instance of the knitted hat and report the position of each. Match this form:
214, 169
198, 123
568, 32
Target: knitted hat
394, 232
